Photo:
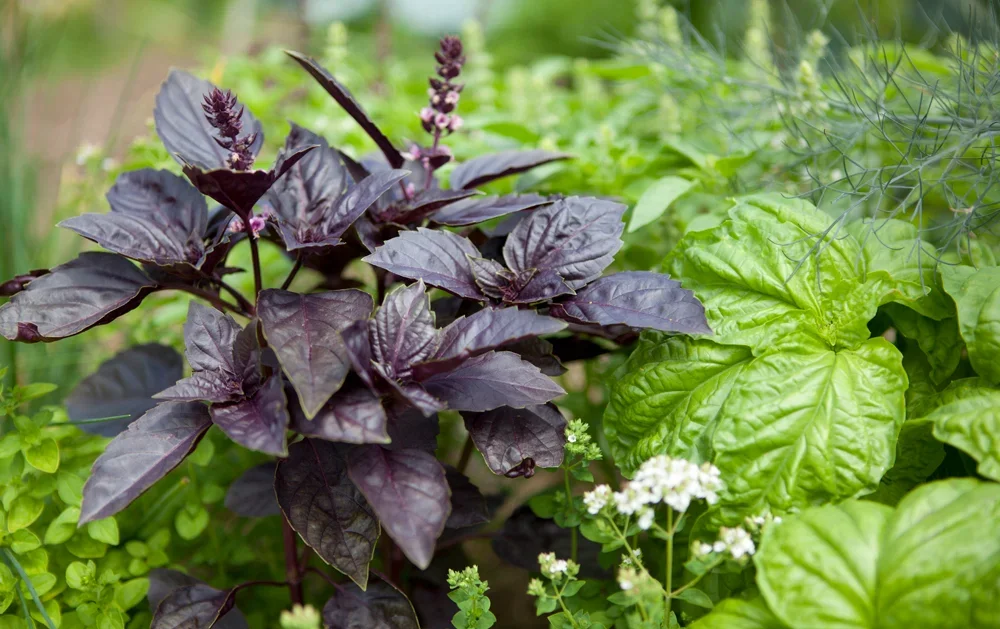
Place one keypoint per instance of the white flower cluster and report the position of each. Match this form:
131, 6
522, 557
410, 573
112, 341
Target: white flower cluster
552, 568
674, 482
737, 541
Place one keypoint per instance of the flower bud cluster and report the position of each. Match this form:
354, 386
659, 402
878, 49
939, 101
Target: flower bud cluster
257, 224
556, 569
223, 113
737, 541
579, 442
444, 93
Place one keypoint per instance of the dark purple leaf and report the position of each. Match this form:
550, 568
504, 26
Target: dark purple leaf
483, 331
193, 607
491, 277
163, 581
240, 190
439, 258
403, 331
155, 217
470, 211
533, 286
381, 606
412, 394
486, 168
356, 170
183, 128
252, 494
351, 416
91, 290
576, 237
258, 423
357, 344
425, 203
639, 299
468, 506
509, 436
525, 536
493, 380
304, 331
350, 105
410, 428
124, 385
409, 492
204, 386
18, 283
539, 353
326, 509
152, 446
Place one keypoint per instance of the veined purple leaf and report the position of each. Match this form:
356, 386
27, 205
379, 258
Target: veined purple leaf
425, 203
258, 423
408, 490
411, 393
381, 606
240, 190
439, 258
183, 128
491, 277
576, 237
155, 217
539, 353
326, 509
252, 494
639, 299
410, 428
533, 286
483, 331
210, 340
359, 198
403, 332
193, 606
124, 385
346, 100
304, 331
487, 168
468, 506
350, 416
162, 582
207, 386
470, 211
493, 380
357, 344
508, 437
152, 446
94, 289
16, 284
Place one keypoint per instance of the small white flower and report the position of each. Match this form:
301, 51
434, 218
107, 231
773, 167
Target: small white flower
701, 549
626, 584
737, 541
571, 438
646, 517
597, 499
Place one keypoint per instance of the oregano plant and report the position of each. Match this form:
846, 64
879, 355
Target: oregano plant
341, 387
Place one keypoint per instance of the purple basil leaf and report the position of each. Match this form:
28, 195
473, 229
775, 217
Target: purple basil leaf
91, 290
123, 385
356, 170
470, 211
18, 283
425, 203
258, 423
493, 380
350, 105
409, 492
491, 277
576, 237
163, 581
252, 494
350, 416
193, 606
207, 386
639, 299
403, 332
412, 394
483, 331
240, 190
381, 606
539, 353
357, 344
325, 508
533, 286
468, 506
525, 535
359, 198
439, 258
410, 428
486, 168
155, 217
509, 436
304, 331
210, 340
152, 446
183, 128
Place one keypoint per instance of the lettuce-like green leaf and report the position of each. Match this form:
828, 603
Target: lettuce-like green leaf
931, 563
977, 299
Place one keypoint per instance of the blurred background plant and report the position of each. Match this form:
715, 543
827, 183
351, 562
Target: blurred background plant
882, 109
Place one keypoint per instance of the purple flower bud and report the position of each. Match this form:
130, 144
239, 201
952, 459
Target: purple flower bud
257, 224
456, 123
235, 225
441, 121
426, 114
223, 113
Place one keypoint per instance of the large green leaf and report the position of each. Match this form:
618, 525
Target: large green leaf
967, 415
977, 299
735, 613
794, 427
777, 266
933, 563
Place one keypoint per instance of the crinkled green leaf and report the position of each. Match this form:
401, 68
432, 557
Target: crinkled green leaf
939, 340
967, 416
735, 613
977, 299
918, 454
931, 563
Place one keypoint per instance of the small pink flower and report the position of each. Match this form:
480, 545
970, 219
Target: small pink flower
456, 123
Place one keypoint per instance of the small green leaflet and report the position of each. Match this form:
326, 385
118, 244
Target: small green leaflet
656, 200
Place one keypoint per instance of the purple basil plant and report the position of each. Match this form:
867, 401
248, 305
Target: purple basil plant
345, 392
